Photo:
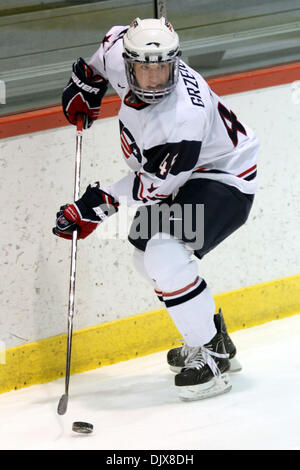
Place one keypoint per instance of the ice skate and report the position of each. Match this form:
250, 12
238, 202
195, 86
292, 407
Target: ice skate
204, 373
176, 357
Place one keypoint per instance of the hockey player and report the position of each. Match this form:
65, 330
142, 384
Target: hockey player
193, 179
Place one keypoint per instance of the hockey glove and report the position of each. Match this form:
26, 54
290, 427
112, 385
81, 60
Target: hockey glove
83, 94
85, 214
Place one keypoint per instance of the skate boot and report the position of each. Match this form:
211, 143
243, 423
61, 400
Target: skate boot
204, 373
176, 357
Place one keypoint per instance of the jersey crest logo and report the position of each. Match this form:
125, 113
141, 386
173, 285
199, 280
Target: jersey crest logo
128, 144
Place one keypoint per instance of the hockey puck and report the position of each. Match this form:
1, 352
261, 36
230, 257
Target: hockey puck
82, 427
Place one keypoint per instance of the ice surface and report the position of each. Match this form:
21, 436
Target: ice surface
134, 405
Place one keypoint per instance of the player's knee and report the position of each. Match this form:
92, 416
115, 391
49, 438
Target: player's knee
138, 263
168, 262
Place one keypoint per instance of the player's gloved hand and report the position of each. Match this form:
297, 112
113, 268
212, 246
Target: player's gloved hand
85, 214
83, 94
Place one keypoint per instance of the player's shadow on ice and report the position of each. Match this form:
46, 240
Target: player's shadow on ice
101, 392
131, 391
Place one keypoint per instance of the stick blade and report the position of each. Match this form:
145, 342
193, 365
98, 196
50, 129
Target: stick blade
63, 404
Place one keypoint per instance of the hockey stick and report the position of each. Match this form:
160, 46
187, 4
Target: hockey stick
63, 402
160, 8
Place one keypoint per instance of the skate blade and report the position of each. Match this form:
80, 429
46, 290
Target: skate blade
235, 365
216, 386
175, 369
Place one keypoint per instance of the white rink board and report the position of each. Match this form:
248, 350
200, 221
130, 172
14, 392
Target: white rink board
37, 176
133, 405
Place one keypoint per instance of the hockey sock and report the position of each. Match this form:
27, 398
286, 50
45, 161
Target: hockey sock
187, 298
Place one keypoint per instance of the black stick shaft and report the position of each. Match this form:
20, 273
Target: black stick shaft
160, 8
63, 403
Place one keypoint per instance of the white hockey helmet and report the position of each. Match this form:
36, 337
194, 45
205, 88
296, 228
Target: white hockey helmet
151, 42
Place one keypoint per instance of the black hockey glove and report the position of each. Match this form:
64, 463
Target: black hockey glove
83, 94
85, 214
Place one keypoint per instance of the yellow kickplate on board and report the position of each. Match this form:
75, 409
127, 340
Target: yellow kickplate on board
139, 335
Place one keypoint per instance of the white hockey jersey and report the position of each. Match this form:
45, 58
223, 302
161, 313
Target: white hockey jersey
189, 134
